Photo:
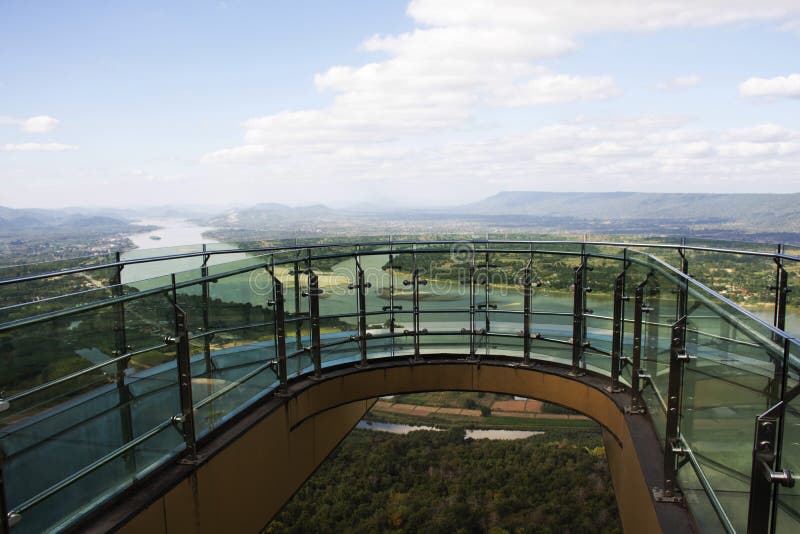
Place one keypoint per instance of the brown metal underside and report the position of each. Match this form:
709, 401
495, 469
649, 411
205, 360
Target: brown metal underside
251, 467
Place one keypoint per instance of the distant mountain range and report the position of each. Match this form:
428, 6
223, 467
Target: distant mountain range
761, 211
27, 222
772, 217
775, 217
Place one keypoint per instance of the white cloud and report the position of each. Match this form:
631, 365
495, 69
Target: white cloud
37, 147
37, 124
780, 86
578, 16
763, 133
40, 124
555, 89
394, 122
680, 82
792, 25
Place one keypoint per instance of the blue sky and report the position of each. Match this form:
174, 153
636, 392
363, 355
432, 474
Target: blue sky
423, 101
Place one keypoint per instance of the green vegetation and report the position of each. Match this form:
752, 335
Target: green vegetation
439, 482
493, 422
470, 400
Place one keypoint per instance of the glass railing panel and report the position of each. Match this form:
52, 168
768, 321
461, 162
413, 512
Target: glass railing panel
404, 322
148, 320
787, 510
298, 354
637, 273
51, 304
338, 302
444, 343
239, 311
378, 300
742, 278
56, 511
699, 502
556, 325
56, 286
552, 350
504, 299
599, 308
660, 313
731, 379
731, 244
48, 363
597, 354
15, 270
138, 272
555, 267
340, 347
237, 376
787, 504
122, 413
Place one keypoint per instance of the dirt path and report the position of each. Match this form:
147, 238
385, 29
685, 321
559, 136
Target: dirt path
422, 411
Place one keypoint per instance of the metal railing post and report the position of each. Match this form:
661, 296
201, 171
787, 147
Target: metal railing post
487, 324
298, 325
361, 285
415, 282
578, 308
313, 294
653, 309
765, 473
181, 341
638, 312
781, 289
486, 305
206, 306
391, 307
471, 282
527, 282
121, 347
760, 501
616, 334
279, 323
671, 442
120, 336
5, 517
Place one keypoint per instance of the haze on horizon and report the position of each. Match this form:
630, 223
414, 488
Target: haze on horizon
426, 102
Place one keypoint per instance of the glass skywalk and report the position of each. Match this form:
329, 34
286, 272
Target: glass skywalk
111, 368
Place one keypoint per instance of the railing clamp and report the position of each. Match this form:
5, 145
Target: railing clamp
635, 410
317, 291
13, 519
662, 495
367, 285
4, 405
785, 478
684, 357
679, 449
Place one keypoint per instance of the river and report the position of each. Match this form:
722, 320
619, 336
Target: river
175, 236
181, 236
493, 434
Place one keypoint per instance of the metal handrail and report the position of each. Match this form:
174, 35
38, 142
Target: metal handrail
279, 248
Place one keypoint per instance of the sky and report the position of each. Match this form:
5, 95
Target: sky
421, 102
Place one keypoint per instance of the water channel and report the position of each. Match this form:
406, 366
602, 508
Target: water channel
492, 434
256, 287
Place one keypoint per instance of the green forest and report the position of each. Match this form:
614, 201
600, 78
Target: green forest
429, 481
